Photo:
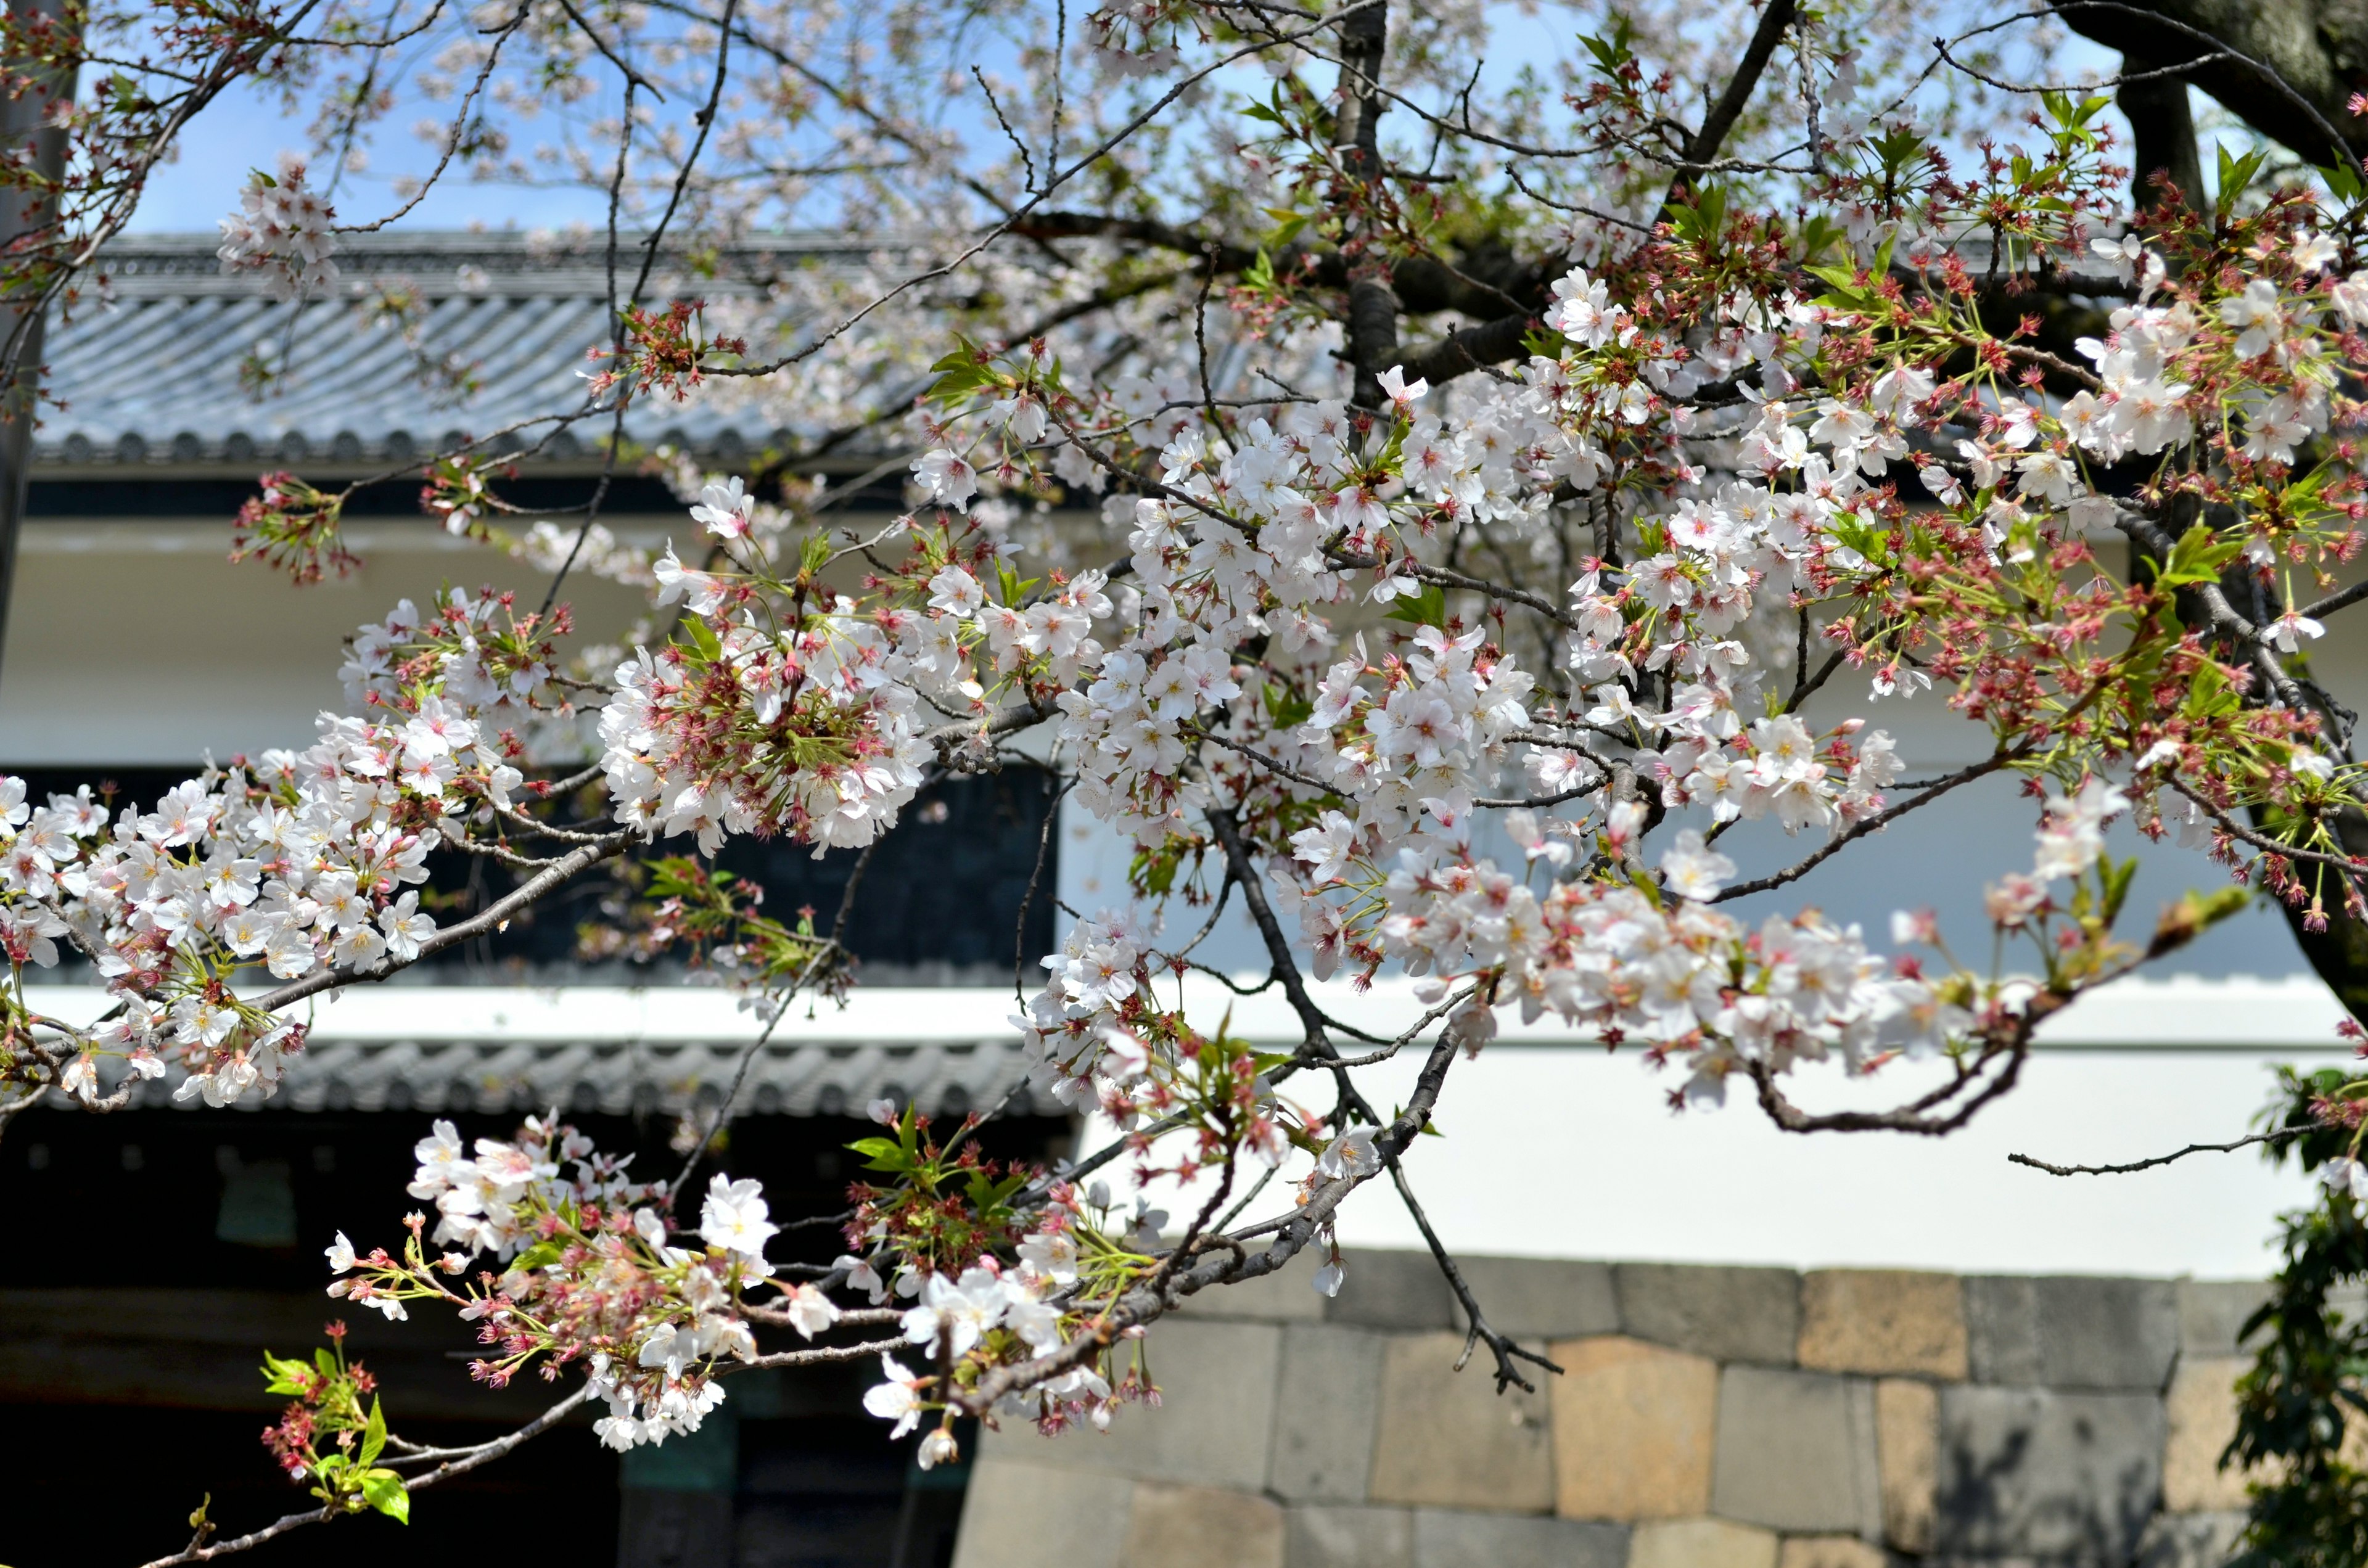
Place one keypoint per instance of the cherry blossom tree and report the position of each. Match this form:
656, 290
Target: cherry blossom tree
1423, 506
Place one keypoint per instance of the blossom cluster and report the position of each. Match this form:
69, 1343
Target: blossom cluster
295, 862
592, 1273
807, 732
283, 232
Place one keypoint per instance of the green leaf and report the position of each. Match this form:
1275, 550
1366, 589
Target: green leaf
542, 1254
703, 641
1818, 234
327, 1363
1428, 607
374, 1434
2113, 877
1610, 53
283, 1376
962, 373
2197, 558
1015, 587
1285, 707
1154, 870
2209, 695
384, 1489
2235, 174
882, 1154
1287, 225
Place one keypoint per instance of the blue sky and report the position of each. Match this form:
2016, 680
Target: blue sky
245, 129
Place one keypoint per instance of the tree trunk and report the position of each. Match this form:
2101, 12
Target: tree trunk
2302, 60
2163, 157
23, 216
1356, 141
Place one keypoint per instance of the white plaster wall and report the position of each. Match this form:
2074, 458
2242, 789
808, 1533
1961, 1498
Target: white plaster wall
137, 641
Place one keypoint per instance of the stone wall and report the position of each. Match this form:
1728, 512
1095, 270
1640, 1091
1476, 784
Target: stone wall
1705, 1418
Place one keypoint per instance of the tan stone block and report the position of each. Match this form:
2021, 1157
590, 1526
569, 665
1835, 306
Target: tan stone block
1884, 1321
1908, 1459
2201, 1405
1634, 1427
1448, 1439
1701, 1543
1829, 1551
1196, 1526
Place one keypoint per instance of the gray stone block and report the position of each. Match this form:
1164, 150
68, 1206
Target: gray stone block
2030, 1471
1730, 1314
1325, 1415
673, 1529
1215, 1425
1542, 1298
1796, 1451
2072, 1333
1022, 1516
2212, 1313
2190, 1541
1393, 1290
1446, 1538
1350, 1538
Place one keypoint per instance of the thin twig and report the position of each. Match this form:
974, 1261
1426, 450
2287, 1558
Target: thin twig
2245, 1141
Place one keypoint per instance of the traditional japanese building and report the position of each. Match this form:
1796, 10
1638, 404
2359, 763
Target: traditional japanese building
153, 1253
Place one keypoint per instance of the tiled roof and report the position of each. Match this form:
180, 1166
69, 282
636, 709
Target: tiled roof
154, 377
589, 1050
616, 1079
592, 1049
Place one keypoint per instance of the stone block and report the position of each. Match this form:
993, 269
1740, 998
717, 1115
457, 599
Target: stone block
1633, 1429
1701, 1543
1023, 1516
1908, 1457
1194, 1526
1445, 1537
2202, 1410
1287, 1295
669, 1529
2212, 1313
2190, 1541
1392, 1289
2072, 1333
1542, 1298
1320, 1537
1830, 1552
1448, 1439
1796, 1451
1729, 1314
1326, 1413
2034, 1472
1214, 1425
1884, 1321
